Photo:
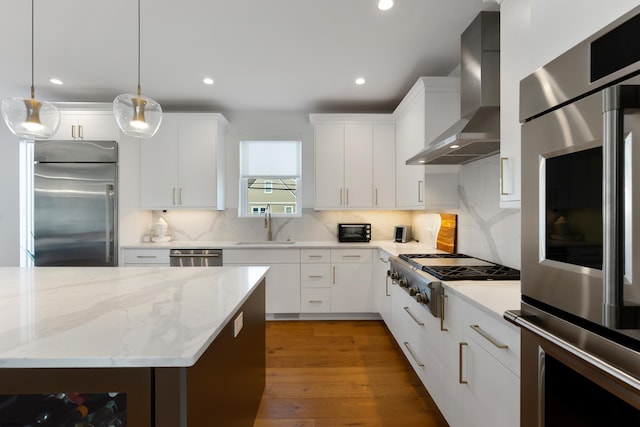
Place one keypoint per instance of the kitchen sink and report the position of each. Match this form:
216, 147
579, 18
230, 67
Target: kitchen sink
268, 242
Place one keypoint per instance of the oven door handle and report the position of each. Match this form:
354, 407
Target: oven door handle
620, 375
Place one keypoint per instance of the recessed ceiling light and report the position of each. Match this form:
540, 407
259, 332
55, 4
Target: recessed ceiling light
55, 81
385, 4
454, 146
360, 81
207, 81
422, 161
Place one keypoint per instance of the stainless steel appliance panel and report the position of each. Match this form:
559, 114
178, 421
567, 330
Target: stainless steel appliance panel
195, 258
573, 288
573, 376
75, 214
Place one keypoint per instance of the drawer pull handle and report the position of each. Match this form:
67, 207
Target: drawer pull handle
415, 319
315, 276
418, 362
442, 304
315, 256
460, 380
146, 256
350, 256
315, 301
487, 337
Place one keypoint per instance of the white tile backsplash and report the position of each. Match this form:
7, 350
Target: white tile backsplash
484, 229
312, 225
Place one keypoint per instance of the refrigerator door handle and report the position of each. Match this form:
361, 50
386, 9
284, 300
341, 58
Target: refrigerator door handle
109, 221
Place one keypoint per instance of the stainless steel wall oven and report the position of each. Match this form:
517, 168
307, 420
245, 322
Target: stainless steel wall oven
580, 313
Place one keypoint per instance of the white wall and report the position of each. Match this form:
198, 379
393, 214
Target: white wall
10, 206
557, 26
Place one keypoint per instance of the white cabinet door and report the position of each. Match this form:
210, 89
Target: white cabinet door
384, 167
515, 27
88, 126
329, 140
491, 396
181, 166
410, 140
382, 288
358, 165
145, 258
351, 288
432, 105
283, 288
158, 168
197, 158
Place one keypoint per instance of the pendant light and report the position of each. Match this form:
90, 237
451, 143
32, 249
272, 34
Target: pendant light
137, 115
28, 118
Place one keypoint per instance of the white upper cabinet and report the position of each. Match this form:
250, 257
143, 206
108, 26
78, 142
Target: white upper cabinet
182, 166
432, 105
352, 161
384, 171
514, 39
88, 125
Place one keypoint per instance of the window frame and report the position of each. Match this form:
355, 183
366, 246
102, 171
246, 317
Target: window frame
243, 194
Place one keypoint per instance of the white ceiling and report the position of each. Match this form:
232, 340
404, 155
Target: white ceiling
264, 55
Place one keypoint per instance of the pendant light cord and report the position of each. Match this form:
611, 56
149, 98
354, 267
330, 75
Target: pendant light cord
33, 90
139, 89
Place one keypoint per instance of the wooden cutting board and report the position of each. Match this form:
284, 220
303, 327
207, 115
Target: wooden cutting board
447, 235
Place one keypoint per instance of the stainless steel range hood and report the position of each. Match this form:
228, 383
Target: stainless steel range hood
477, 134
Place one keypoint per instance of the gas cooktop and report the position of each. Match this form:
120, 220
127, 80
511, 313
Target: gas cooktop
460, 267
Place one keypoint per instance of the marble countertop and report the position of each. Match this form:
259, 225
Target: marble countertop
494, 297
59, 317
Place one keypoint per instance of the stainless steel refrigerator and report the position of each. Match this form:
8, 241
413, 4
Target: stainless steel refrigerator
75, 203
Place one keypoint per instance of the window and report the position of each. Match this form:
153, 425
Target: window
268, 186
270, 175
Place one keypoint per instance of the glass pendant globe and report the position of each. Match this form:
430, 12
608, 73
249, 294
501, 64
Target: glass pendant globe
28, 118
137, 115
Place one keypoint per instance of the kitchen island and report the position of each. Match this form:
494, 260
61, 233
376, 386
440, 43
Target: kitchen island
185, 346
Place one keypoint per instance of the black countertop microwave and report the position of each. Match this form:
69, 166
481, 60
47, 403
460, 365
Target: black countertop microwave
354, 232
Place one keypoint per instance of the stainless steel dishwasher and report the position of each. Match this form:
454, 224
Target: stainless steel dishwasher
195, 258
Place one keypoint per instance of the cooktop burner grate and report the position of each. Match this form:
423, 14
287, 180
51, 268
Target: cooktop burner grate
484, 270
492, 272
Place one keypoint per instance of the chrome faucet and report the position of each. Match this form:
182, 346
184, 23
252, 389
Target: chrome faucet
267, 222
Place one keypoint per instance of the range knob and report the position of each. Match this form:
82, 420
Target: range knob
413, 291
422, 298
393, 274
403, 282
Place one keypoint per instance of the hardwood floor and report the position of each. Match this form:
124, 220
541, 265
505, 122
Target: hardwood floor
340, 373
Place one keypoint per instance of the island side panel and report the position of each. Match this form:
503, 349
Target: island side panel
225, 386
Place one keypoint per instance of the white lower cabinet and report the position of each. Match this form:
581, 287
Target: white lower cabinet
469, 361
482, 369
491, 392
382, 287
336, 281
283, 277
144, 258
415, 331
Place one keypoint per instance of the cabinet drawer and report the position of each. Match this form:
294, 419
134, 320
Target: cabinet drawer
315, 255
145, 256
493, 335
351, 255
315, 300
315, 275
261, 256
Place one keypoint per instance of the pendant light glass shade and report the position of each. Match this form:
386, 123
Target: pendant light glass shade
28, 118
137, 115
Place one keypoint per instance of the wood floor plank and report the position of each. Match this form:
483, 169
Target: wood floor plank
338, 374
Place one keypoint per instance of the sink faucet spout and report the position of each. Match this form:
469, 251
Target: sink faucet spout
267, 222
